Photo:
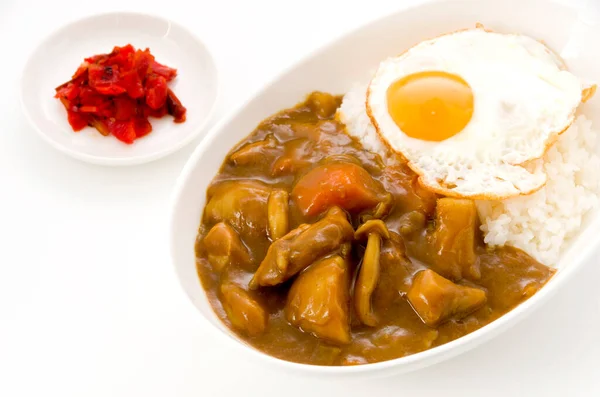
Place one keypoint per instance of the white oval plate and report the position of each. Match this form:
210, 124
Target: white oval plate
58, 56
335, 68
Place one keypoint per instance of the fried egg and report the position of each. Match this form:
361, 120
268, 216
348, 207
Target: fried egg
470, 110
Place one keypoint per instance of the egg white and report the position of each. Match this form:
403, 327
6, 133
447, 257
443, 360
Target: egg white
523, 100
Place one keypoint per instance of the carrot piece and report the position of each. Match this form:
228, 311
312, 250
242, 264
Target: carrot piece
346, 185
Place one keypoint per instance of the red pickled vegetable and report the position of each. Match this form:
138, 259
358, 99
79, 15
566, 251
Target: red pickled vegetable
141, 126
156, 91
125, 108
142, 61
100, 125
88, 109
175, 107
77, 120
164, 71
116, 93
122, 130
132, 82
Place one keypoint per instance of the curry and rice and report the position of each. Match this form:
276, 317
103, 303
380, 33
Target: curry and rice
412, 211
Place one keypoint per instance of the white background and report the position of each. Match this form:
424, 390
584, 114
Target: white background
89, 303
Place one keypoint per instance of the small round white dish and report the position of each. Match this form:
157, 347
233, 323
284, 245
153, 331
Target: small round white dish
58, 56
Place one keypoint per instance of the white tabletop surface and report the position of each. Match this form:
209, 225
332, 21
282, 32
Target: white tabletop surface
89, 303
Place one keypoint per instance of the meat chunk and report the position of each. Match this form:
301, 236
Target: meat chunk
412, 222
437, 299
396, 273
301, 247
454, 238
224, 247
297, 154
244, 312
242, 204
402, 182
511, 276
343, 184
255, 152
318, 300
323, 104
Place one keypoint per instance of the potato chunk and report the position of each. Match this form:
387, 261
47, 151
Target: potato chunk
318, 300
244, 312
436, 299
454, 238
242, 204
301, 247
224, 247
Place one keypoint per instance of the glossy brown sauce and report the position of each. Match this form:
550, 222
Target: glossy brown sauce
291, 143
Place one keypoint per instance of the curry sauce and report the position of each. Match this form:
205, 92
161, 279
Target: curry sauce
317, 251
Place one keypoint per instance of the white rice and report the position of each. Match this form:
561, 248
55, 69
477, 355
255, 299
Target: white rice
540, 224
353, 114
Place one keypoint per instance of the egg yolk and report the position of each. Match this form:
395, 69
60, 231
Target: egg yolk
430, 106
